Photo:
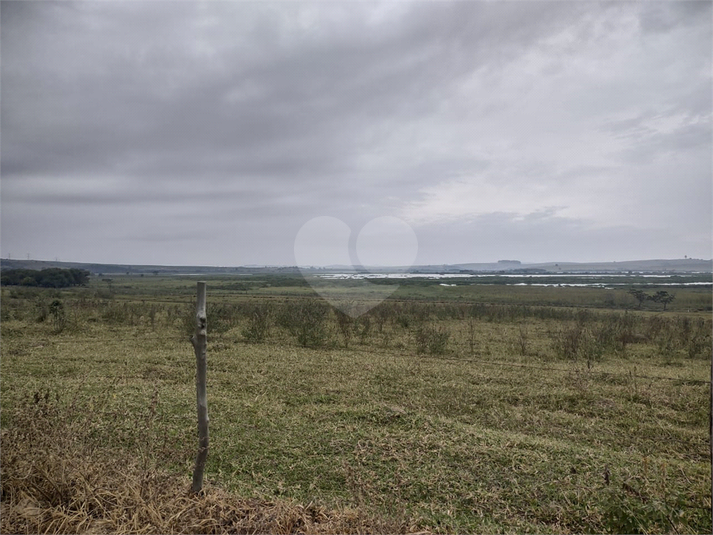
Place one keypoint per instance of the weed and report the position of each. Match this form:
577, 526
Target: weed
56, 312
522, 339
305, 320
221, 317
566, 341
259, 322
363, 327
577, 341
42, 310
346, 325
101, 420
471, 336
431, 340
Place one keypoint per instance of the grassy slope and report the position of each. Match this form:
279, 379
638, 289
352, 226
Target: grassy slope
479, 439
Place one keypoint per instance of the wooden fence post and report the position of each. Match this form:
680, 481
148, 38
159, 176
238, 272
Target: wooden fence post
199, 341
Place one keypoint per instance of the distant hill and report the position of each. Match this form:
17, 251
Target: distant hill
683, 265
131, 269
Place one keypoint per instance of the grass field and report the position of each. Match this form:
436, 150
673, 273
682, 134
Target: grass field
483, 408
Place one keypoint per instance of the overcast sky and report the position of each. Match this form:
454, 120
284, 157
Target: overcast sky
209, 133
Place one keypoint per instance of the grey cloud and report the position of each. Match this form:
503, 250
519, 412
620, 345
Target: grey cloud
501, 235
652, 145
657, 17
99, 110
267, 114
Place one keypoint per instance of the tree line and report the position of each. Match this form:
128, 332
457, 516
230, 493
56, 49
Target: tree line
46, 278
662, 296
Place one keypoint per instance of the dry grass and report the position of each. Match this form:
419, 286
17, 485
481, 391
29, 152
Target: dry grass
56, 480
494, 431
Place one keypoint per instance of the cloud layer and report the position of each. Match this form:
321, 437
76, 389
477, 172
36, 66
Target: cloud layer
209, 133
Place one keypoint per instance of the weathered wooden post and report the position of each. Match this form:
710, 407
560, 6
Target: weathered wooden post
200, 340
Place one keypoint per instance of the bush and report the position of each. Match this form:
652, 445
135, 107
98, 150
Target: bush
700, 341
305, 320
221, 317
187, 319
115, 313
346, 325
522, 340
259, 322
42, 310
56, 312
364, 328
431, 340
565, 341
577, 342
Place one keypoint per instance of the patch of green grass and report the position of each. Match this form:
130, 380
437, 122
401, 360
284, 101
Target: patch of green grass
478, 436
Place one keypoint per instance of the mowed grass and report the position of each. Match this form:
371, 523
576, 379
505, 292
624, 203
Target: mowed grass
495, 433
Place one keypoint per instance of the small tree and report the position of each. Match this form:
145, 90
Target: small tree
431, 340
259, 320
305, 320
639, 295
663, 297
56, 311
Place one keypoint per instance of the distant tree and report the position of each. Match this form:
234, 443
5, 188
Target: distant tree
55, 278
663, 297
47, 278
79, 276
639, 295
26, 277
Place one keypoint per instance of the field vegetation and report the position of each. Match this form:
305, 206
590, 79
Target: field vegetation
469, 408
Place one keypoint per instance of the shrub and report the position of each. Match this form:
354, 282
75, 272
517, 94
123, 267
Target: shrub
115, 313
364, 328
221, 317
42, 310
346, 325
187, 320
431, 340
259, 321
305, 320
522, 339
471, 335
700, 341
405, 320
565, 341
56, 312
575, 342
